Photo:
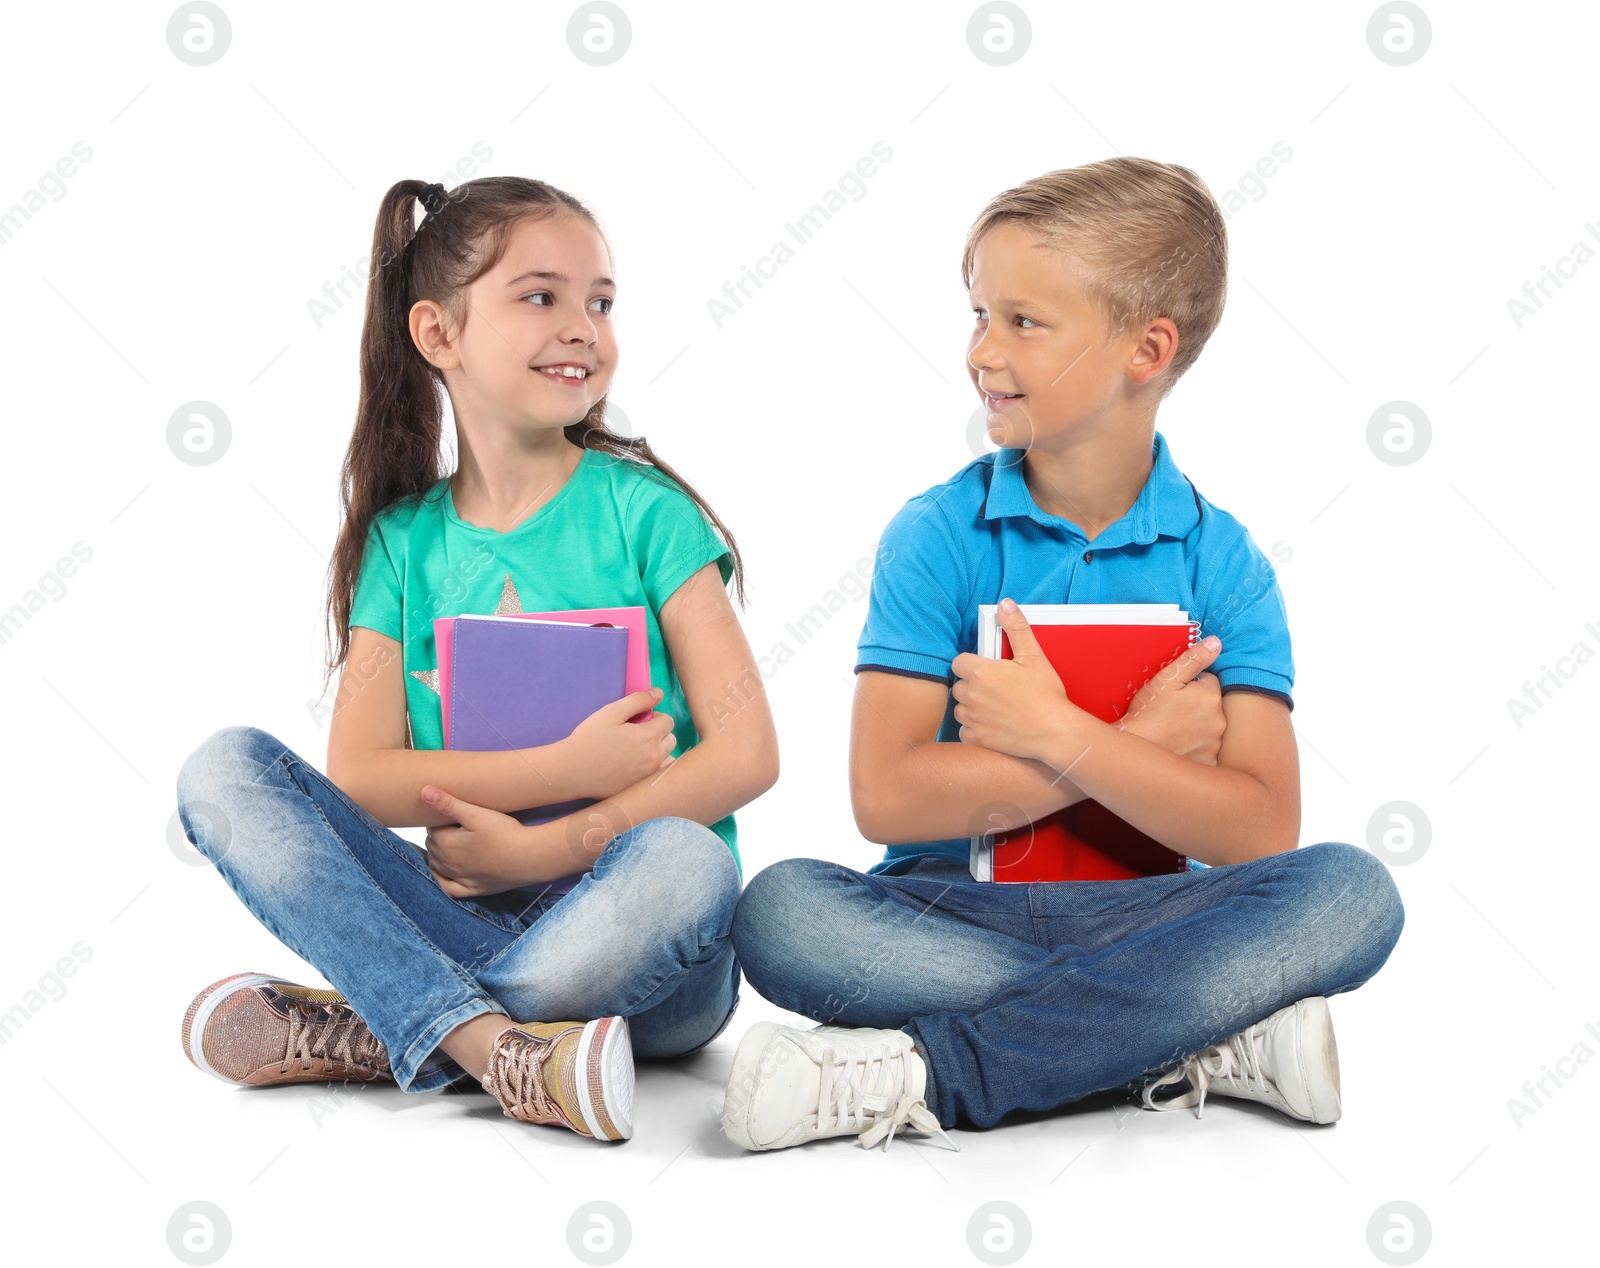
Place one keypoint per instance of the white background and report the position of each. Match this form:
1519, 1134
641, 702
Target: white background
1374, 265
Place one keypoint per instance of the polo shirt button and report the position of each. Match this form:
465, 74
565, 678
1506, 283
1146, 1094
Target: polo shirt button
1088, 556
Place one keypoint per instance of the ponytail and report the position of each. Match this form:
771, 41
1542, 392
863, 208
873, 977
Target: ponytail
394, 447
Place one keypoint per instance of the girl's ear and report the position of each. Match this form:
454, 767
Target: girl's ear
430, 332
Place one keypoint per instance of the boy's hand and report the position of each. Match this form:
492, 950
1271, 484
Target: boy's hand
613, 753
1014, 706
485, 852
1181, 707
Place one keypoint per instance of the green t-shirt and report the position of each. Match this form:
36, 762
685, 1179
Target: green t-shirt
618, 533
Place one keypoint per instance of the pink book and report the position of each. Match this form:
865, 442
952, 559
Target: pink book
637, 675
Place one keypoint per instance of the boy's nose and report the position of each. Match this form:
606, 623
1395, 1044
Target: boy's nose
979, 361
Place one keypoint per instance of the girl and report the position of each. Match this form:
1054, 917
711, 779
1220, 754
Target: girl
537, 960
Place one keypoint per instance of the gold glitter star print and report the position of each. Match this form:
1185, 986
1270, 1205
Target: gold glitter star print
510, 601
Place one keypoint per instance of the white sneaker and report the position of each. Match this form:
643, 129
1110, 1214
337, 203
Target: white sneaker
789, 1086
1288, 1061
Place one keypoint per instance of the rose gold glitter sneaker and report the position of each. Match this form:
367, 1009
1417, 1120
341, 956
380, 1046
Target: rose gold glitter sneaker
566, 1073
254, 1029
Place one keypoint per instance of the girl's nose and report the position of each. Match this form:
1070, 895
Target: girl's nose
579, 328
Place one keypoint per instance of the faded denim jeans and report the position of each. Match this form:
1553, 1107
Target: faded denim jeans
645, 934
1028, 996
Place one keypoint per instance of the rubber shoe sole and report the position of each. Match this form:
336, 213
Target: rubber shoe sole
1320, 1076
605, 1063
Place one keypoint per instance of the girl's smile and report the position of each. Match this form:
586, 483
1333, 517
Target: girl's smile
572, 374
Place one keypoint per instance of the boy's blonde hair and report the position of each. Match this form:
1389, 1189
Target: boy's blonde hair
1151, 234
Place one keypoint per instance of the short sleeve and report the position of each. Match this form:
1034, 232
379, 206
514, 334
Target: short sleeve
1239, 600
914, 612
376, 603
671, 539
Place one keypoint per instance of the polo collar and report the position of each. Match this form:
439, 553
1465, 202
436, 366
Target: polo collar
1167, 506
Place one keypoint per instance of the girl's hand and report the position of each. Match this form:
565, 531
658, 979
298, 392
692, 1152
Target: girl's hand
485, 852
613, 753
1013, 706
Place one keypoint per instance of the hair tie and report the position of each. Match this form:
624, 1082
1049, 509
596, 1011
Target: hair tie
433, 197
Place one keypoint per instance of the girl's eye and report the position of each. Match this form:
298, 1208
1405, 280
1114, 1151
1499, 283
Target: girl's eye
547, 299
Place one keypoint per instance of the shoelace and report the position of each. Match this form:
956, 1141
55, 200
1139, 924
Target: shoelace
328, 1032
515, 1077
1234, 1060
866, 1089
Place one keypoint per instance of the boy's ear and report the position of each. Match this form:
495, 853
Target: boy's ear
1155, 350
430, 333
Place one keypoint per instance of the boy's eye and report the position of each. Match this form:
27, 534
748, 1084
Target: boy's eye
983, 315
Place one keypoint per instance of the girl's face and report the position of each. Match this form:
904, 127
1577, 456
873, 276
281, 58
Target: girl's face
538, 347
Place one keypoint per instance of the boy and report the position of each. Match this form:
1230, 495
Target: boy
946, 1000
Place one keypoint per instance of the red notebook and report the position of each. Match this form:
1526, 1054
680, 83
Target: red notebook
1103, 652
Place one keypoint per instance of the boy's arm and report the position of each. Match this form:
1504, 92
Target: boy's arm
1245, 807
906, 786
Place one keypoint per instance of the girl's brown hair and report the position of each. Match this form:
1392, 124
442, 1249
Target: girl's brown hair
394, 450
1151, 234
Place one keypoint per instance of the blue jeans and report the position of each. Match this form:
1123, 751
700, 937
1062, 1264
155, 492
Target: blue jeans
1028, 996
644, 934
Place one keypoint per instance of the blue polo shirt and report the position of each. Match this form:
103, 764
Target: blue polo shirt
980, 537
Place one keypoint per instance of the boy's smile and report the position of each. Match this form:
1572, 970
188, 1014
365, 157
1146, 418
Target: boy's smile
1041, 353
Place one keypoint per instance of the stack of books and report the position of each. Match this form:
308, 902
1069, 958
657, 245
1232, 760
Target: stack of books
527, 679
1104, 653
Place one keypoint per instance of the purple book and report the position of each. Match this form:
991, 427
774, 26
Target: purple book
520, 683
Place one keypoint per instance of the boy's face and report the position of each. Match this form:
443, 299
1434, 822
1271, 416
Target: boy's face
1040, 354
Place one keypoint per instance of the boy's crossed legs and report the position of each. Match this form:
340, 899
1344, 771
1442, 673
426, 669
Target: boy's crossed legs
1029, 996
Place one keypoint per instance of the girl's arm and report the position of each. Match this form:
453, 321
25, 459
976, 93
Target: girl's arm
736, 759
368, 759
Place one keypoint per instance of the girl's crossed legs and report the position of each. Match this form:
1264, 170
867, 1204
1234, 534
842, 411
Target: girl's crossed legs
644, 935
